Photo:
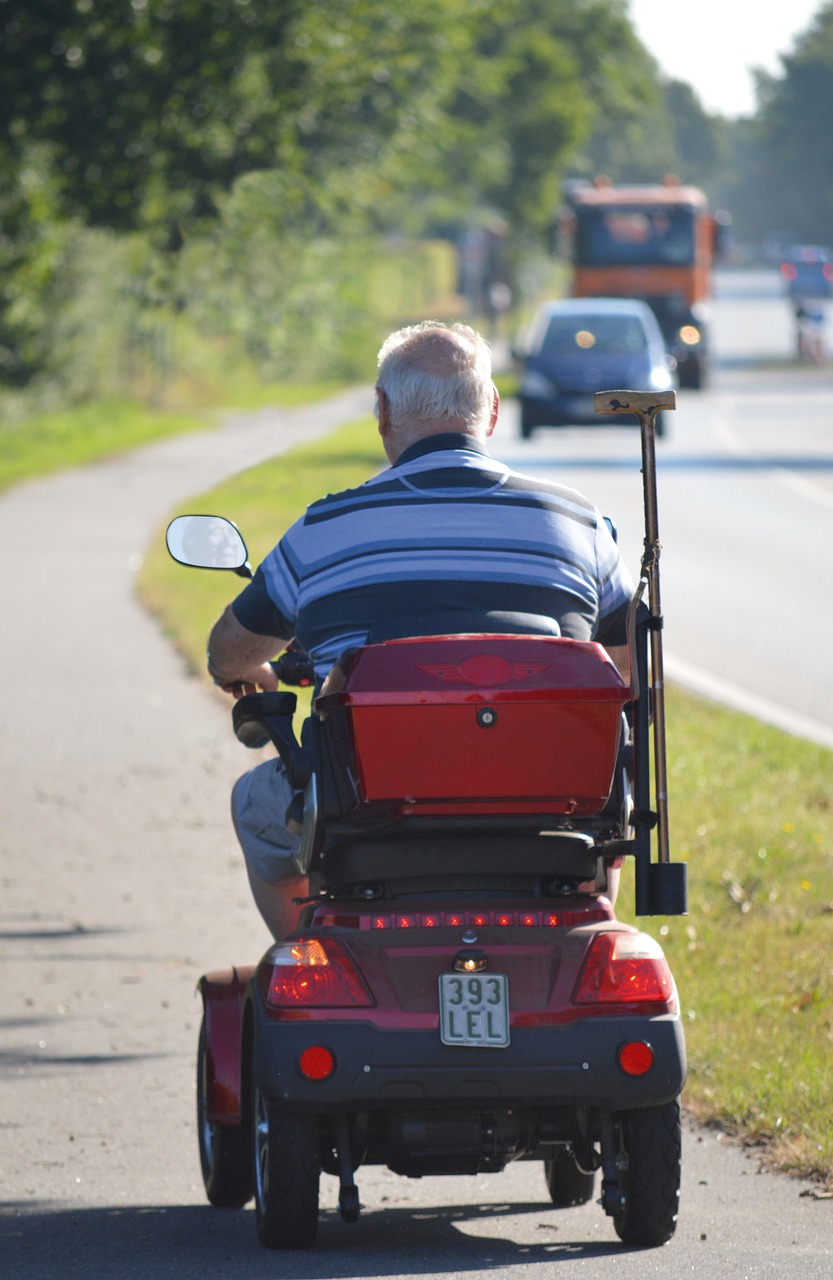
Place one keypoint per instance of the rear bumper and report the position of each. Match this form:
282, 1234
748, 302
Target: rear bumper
555, 1066
575, 409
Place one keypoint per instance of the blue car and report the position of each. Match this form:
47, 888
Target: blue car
578, 346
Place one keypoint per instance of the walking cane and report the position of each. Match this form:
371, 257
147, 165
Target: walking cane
665, 890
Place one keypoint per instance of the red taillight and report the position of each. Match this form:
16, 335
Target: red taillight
625, 969
311, 973
635, 1058
316, 1062
827, 270
788, 271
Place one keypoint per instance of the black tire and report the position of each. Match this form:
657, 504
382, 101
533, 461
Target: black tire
287, 1169
652, 1141
225, 1150
566, 1183
528, 423
694, 374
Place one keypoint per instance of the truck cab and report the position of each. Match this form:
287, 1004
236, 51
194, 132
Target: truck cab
657, 243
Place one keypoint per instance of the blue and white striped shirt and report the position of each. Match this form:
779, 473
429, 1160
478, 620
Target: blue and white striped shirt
446, 540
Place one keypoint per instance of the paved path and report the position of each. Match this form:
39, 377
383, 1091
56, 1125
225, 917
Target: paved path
121, 882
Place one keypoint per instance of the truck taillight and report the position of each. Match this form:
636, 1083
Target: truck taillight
625, 973
312, 973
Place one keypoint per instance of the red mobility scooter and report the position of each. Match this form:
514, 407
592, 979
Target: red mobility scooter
459, 993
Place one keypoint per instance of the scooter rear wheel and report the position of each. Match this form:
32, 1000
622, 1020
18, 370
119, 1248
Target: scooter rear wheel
652, 1141
225, 1153
287, 1169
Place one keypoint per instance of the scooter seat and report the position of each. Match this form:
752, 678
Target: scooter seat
570, 855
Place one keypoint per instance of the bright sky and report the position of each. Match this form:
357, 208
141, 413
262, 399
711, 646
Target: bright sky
712, 43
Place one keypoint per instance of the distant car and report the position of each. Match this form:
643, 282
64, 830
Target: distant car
578, 346
807, 270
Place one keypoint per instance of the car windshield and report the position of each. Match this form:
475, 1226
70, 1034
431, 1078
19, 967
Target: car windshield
609, 334
635, 236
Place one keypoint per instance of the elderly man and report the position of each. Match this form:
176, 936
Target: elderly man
445, 540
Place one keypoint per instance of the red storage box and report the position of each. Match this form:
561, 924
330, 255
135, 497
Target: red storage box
486, 724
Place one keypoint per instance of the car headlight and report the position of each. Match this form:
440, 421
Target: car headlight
535, 384
690, 335
661, 379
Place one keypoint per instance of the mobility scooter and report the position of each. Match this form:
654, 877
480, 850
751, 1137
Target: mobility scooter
459, 993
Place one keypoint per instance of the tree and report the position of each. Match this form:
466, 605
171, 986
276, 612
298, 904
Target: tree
795, 130
154, 107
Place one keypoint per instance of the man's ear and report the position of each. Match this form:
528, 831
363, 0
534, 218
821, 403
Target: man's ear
382, 413
495, 411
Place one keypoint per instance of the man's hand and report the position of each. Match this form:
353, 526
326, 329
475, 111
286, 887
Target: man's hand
238, 659
257, 678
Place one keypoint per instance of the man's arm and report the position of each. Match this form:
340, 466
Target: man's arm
238, 659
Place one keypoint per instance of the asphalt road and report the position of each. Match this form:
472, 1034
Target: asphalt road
745, 491
121, 884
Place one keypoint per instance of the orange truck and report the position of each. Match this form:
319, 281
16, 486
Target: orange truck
658, 243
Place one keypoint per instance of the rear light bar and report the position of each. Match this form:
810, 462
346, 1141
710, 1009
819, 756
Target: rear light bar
625, 973
461, 919
313, 973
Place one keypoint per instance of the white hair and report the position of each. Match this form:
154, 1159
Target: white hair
433, 373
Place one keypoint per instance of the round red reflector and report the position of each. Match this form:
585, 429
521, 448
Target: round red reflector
316, 1062
636, 1057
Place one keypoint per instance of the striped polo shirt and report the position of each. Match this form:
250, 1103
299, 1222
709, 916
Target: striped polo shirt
446, 540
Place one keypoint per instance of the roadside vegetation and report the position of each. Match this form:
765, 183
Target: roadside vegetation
44, 442
223, 192
751, 812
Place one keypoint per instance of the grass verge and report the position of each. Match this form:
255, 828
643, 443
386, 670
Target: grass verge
42, 443
751, 812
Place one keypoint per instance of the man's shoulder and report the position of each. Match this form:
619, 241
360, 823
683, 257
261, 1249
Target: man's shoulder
520, 480
349, 499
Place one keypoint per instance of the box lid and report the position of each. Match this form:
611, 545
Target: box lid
471, 667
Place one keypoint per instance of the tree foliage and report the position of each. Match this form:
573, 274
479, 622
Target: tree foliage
274, 139
795, 135
153, 108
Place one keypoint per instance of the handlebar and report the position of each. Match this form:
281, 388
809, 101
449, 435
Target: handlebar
294, 667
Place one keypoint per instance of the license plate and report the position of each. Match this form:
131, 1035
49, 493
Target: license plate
474, 1010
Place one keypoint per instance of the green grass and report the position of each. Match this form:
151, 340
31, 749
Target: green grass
41, 443
47, 442
750, 811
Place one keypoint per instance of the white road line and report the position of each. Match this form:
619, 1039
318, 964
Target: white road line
800, 484
806, 487
718, 690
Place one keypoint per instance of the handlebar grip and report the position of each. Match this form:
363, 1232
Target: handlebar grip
294, 666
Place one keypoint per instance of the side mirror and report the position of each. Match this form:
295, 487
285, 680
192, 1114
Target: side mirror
207, 542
